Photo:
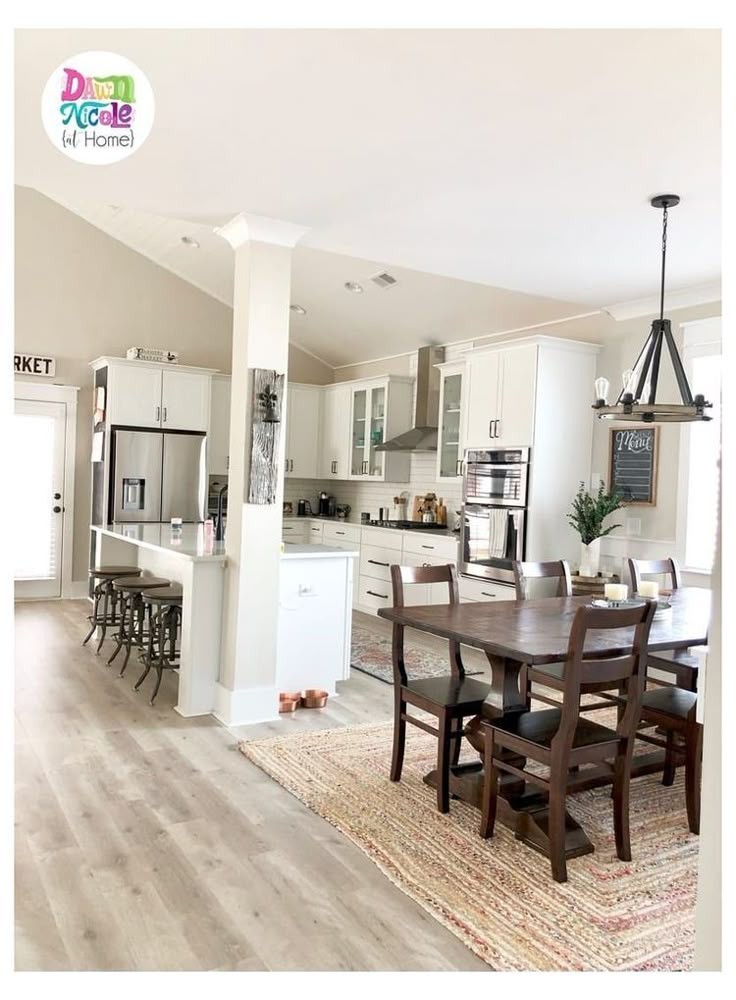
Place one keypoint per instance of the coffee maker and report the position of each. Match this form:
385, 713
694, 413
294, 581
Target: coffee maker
327, 505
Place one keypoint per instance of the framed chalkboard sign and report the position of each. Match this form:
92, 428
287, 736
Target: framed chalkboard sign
632, 464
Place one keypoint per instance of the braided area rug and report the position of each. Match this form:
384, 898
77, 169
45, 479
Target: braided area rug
498, 896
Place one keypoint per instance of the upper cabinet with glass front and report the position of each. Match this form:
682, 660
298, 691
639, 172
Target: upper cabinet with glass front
380, 410
451, 424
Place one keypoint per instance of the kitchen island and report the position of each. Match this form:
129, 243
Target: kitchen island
314, 607
197, 564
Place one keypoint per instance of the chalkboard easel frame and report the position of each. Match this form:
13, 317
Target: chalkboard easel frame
612, 431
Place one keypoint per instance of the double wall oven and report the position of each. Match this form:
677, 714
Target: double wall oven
493, 532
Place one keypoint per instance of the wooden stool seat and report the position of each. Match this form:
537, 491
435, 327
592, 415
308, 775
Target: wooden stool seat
163, 595
105, 571
140, 583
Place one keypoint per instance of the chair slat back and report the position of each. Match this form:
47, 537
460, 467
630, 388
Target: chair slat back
639, 568
402, 575
627, 670
524, 572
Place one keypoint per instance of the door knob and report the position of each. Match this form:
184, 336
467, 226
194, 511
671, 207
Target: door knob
57, 510
57, 496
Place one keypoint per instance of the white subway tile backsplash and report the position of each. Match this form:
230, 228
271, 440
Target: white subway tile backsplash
369, 496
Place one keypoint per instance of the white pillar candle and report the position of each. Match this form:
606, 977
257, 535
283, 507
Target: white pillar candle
616, 591
648, 588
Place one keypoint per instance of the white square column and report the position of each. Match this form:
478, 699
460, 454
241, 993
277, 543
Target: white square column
246, 690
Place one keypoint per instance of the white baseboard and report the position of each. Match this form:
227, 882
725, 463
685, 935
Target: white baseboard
245, 706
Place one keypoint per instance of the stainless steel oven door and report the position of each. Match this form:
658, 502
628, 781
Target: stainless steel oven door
503, 485
491, 539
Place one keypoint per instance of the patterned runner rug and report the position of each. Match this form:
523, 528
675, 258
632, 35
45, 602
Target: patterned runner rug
498, 896
371, 654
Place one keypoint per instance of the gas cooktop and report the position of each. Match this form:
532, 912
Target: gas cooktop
404, 525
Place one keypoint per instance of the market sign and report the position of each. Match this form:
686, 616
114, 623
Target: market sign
32, 364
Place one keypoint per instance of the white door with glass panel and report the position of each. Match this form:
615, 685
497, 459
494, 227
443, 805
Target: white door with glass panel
38, 474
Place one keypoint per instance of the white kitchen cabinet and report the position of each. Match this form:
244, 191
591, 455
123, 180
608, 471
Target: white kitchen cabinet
475, 589
218, 436
185, 401
301, 455
334, 458
501, 391
315, 532
380, 410
144, 394
451, 423
134, 396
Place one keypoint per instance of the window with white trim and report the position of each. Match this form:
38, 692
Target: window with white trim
701, 449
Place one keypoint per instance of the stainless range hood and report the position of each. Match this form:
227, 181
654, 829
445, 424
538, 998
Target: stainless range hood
423, 436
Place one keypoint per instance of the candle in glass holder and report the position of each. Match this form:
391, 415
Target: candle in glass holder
648, 588
616, 591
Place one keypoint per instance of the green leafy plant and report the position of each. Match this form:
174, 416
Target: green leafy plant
589, 512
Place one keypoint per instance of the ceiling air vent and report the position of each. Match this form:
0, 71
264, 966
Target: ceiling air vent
383, 279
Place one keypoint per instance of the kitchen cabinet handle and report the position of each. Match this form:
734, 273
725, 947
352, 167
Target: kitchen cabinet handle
459, 467
490, 428
339, 532
158, 413
498, 426
165, 411
56, 510
428, 546
374, 562
334, 468
485, 593
374, 594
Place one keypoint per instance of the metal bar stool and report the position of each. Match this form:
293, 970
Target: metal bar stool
131, 631
164, 622
103, 593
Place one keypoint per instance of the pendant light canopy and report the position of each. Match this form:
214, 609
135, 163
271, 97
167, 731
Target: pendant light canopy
637, 400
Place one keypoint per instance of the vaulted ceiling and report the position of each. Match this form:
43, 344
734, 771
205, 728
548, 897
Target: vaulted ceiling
514, 166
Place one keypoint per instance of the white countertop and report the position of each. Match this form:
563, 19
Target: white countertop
189, 542
294, 551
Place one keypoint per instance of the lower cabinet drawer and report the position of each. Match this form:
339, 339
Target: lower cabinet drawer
429, 544
374, 594
315, 533
334, 533
291, 532
484, 590
376, 562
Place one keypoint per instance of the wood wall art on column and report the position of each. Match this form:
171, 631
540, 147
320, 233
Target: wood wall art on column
632, 464
267, 402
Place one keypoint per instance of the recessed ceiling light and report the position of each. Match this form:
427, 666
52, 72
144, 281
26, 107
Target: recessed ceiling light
353, 286
299, 310
189, 241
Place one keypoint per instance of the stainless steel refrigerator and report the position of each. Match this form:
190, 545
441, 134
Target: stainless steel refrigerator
157, 475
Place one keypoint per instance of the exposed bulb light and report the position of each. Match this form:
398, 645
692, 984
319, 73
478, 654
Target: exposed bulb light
299, 310
189, 241
601, 390
353, 286
638, 398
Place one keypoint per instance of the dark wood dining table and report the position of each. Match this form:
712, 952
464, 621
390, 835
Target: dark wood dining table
513, 633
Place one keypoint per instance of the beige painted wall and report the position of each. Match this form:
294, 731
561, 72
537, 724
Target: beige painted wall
80, 294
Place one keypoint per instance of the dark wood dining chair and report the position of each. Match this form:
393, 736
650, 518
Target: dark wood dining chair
672, 710
561, 740
549, 675
679, 662
450, 698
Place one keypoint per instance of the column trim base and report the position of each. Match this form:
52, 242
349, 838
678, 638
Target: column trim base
245, 706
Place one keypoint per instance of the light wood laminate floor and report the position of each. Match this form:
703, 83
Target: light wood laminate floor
145, 841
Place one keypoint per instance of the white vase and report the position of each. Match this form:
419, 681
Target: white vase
590, 558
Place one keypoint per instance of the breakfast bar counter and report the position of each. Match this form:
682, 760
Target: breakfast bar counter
197, 564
